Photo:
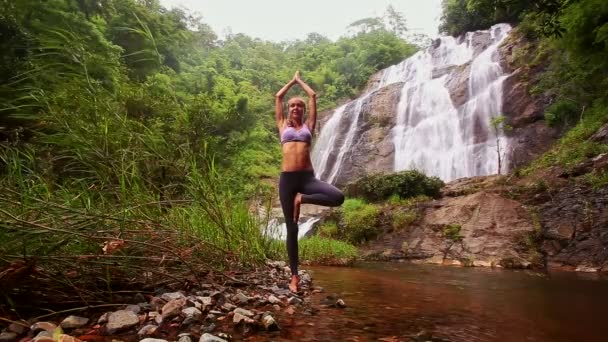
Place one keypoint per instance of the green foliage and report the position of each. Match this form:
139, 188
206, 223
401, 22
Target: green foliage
125, 117
575, 146
328, 229
460, 16
562, 112
403, 184
396, 200
597, 180
320, 250
359, 220
498, 123
403, 219
452, 232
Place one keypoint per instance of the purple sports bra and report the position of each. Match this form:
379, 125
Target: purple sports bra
290, 134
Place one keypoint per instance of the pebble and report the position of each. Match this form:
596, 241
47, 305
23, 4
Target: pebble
210, 338
73, 322
178, 310
8, 337
17, 328
148, 330
121, 320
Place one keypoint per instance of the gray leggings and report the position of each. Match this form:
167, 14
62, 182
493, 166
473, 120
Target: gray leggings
313, 191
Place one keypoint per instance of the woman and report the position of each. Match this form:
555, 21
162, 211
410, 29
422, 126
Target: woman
297, 184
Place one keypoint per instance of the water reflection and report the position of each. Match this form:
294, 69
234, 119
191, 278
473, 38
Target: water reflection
397, 301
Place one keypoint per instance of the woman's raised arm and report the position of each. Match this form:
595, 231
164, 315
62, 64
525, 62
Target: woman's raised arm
278, 103
311, 122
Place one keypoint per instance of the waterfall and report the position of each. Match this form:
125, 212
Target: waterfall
278, 230
432, 133
332, 145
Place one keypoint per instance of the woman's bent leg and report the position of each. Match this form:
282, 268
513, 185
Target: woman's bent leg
318, 192
287, 193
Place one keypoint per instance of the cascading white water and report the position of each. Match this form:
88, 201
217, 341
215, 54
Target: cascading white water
277, 230
431, 133
332, 143
434, 136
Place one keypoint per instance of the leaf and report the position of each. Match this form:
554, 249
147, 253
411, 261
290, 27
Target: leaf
57, 332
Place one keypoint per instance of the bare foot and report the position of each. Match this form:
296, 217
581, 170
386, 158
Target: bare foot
297, 202
293, 285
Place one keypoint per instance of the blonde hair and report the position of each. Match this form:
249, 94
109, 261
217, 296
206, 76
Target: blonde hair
295, 98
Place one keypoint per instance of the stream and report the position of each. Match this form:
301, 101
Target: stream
398, 301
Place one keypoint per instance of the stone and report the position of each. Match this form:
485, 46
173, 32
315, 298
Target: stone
173, 308
153, 340
601, 136
172, 296
8, 337
46, 326
237, 318
244, 312
587, 269
103, 319
139, 298
192, 313
206, 301
241, 298
305, 277
209, 328
147, 330
43, 339
18, 329
206, 337
135, 308
294, 301
340, 303
228, 306
67, 338
156, 303
45, 333
274, 300
121, 320
185, 338
269, 323
73, 322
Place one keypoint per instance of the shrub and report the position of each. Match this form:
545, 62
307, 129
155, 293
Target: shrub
403, 184
359, 220
402, 219
562, 112
452, 232
326, 251
328, 229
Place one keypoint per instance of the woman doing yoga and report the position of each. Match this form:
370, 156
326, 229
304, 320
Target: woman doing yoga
297, 184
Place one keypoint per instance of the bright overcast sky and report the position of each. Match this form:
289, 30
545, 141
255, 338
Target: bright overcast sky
279, 20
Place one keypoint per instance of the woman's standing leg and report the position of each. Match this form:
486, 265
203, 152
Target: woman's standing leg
288, 188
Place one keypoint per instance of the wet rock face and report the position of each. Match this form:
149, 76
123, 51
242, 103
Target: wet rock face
471, 229
530, 136
576, 228
372, 149
457, 83
601, 136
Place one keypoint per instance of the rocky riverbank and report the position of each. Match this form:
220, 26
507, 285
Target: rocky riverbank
248, 304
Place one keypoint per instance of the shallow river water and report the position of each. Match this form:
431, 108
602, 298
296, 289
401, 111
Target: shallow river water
394, 302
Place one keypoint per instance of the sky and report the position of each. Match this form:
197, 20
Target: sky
280, 20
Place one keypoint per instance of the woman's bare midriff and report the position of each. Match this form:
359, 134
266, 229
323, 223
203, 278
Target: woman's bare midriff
296, 157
